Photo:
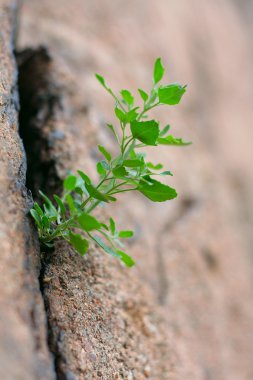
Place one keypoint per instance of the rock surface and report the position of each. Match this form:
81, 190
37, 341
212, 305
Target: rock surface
23, 337
185, 311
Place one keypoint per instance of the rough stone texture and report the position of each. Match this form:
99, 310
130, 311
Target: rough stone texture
23, 339
185, 311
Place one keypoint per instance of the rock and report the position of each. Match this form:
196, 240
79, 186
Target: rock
185, 311
24, 354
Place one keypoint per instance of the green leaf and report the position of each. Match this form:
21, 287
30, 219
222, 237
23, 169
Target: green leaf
126, 234
131, 115
166, 172
143, 95
120, 114
49, 208
154, 167
38, 209
36, 216
97, 194
80, 244
70, 183
156, 191
120, 172
100, 169
171, 94
105, 153
128, 97
112, 226
171, 140
134, 163
88, 222
71, 203
145, 131
101, 80
164, 130
104, 246
84, 177
60, 204
45, 222
46, 199
158, 71
105, 226
79, 191
127, 260
111, 127
105, 165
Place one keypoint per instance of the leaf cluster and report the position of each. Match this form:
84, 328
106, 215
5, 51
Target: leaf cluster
69, 217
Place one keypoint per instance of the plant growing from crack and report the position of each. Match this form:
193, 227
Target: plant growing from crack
69, 217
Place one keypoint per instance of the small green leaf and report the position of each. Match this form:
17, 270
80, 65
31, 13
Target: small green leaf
79, 191
158, 71
71, 203
103, 225
154, 167
171, 140
171, 94
49, 208
70, 183
36, 216
97, 194
120, 114
131, 115
84, 177
126, 234
100, 169
120, 172
164, 130
80, 244
111, 127
88, 222
128, 261
104, 246
101, 80
105, 153
45, 222
60, 204
156, 191
128, 97
143, 95
46, 199
145, 131
112, 226
38, 209
134, 163
166, 172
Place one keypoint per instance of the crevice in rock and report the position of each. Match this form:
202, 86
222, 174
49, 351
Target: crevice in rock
41, 117
40, 102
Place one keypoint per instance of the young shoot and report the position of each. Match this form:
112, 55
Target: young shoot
70, 217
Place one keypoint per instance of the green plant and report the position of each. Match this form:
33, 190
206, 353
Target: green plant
69, 217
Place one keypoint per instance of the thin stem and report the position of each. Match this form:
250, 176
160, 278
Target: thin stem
94, 205
132, 146
129, 141
146, 109
122, 191
116, 99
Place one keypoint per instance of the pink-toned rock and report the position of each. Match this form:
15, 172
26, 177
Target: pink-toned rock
23, 338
